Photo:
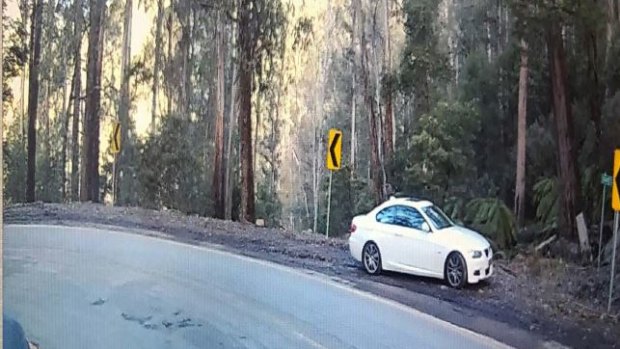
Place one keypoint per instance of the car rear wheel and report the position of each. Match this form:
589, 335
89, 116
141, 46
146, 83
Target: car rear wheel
455, 272
371, 257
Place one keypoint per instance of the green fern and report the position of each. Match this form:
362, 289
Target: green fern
546, 199
494, 219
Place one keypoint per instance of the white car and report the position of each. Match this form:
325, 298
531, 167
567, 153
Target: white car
415, 237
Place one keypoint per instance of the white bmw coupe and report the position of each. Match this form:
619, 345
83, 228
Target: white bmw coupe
415, 237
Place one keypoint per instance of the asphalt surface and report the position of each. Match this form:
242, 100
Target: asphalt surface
88, 288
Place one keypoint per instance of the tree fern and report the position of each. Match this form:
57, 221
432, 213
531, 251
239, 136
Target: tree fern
494, 219
546, 199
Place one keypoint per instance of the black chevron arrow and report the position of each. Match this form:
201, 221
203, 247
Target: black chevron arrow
117, 129
332, 149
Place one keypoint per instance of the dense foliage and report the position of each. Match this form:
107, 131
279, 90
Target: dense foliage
445, 74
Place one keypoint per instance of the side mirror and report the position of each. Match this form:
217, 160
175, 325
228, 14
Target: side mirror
425, 227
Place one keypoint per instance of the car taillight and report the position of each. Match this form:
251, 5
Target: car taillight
352, 228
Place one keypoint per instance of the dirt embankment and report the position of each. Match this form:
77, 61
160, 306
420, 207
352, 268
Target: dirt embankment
547, 298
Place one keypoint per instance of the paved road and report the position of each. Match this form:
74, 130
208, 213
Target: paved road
88, 288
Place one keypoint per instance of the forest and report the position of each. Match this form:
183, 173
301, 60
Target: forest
503, 112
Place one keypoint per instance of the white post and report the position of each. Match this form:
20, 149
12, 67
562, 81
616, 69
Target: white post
600, 234
329, 203
613, 261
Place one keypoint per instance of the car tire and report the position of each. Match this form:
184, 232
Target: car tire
371, 258
455, 270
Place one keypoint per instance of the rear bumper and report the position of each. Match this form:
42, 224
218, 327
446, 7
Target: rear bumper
355, 247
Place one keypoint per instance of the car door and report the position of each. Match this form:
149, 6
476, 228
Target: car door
416, 250
385, 233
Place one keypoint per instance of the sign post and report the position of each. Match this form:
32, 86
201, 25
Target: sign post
606, 181
615, 205
115, 148
334, 155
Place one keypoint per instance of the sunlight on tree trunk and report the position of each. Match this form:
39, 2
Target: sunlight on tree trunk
519, 204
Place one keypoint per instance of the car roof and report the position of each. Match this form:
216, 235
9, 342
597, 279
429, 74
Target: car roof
407, 201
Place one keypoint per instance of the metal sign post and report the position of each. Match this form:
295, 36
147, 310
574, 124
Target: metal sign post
334, 155
615, 205
606, 181
115, 148
329, 203
613, 262
114, 181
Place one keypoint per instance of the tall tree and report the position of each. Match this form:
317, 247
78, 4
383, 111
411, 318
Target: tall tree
562, 114
388, 140
247, 45
77, 100
125, 101
519, 204
355, 4
375, 166
65, 111
90, 188
33, 96
231, 125
157, 66
218, 169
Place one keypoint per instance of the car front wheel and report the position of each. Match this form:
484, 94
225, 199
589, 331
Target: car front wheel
371, 257
455, 272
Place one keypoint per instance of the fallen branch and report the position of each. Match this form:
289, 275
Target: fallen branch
506, 270
545, 243
591, 310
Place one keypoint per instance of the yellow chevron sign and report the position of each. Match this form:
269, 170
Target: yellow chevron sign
615, 188
334, 150
115, 147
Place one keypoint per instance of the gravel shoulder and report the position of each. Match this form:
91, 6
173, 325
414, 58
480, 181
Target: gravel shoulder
528, 303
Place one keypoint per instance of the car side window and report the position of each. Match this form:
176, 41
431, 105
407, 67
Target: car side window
413, 218
386, 215
402, 216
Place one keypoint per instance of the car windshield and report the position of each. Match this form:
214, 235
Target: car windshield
437, 217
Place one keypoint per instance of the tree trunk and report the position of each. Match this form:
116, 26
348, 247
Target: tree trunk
24, 18
157, 65
66, 105
388, 140
594, 91
355, 4
375, 166
231, 126
93, 101
169, 55
218, 169
77, 101
564, 131
245, 111
124, 105
519, 204
33, 96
